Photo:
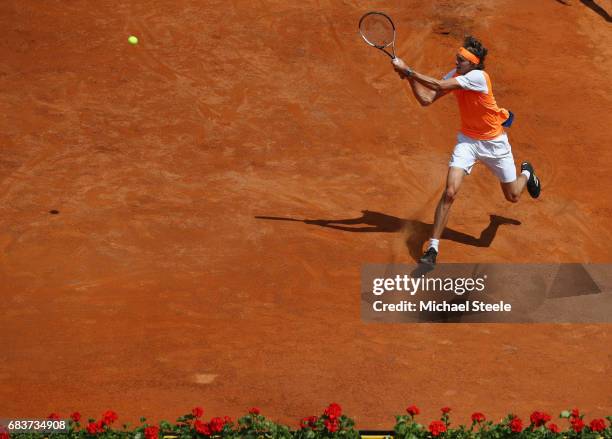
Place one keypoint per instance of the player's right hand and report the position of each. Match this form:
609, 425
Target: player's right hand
401, 68
399, 64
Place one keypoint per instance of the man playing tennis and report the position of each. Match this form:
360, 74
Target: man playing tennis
482, 136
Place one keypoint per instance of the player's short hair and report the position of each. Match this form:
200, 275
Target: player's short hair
476, 47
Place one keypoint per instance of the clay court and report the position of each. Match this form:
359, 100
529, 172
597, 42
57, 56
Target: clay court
178, 269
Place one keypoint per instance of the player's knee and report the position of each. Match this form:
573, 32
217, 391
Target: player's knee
511, 192
512, 197
450, 194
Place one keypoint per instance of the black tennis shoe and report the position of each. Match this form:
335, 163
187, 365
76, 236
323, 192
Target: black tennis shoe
429, 257
533, 184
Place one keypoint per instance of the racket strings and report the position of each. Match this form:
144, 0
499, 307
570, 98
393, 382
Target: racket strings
377, 30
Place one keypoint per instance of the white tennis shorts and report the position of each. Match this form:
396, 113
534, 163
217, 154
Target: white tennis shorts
495, 153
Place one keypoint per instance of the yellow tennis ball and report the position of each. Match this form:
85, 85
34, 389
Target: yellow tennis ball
132, 39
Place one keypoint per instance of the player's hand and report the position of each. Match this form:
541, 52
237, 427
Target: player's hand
401, 67
399, 64
401, 74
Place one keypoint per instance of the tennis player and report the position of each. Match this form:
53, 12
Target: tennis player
481, 138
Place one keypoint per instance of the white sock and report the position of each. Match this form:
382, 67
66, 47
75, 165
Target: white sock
433, 243
527, 174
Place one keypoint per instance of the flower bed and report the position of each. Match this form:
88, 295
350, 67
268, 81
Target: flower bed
330, 424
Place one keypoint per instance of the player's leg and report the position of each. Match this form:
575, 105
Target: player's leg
513, 189
453, 183
497, 156
461, 163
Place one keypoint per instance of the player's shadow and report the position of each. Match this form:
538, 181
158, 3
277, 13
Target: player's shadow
416, 231
592, 5
597, 9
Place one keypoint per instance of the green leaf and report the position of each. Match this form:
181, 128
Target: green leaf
401, 429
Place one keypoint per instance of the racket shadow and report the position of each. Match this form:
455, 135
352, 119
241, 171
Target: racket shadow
597, 9
416, 232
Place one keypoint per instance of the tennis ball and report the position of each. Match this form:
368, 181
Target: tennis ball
132, 39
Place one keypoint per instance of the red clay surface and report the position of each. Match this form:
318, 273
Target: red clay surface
156, 288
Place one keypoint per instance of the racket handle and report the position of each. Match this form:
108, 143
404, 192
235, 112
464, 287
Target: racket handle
390, 55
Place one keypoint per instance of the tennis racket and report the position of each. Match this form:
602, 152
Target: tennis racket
377, 29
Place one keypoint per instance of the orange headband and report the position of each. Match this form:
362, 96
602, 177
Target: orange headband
469, 55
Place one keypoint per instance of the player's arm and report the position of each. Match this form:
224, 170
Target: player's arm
425, 96
437, 85
423, 86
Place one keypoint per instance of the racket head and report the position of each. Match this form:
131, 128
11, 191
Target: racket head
377, 29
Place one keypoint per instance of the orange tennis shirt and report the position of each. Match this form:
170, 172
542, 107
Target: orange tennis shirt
481, 118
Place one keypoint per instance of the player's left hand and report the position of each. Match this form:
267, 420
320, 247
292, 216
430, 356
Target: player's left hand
401, 74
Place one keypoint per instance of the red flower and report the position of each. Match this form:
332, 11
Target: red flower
331, 425
254, 411
539, 418
437, 427
333, 411
197, 412
108, 417
577, 424
516, 425
54, 417
445, 410
4, 435
597, 425
92, 428
76, 416
575, 413
478, 417
553, 428
216, 425
201, 427
309, 422
227, 420
95, 427
413, 410
151, 432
